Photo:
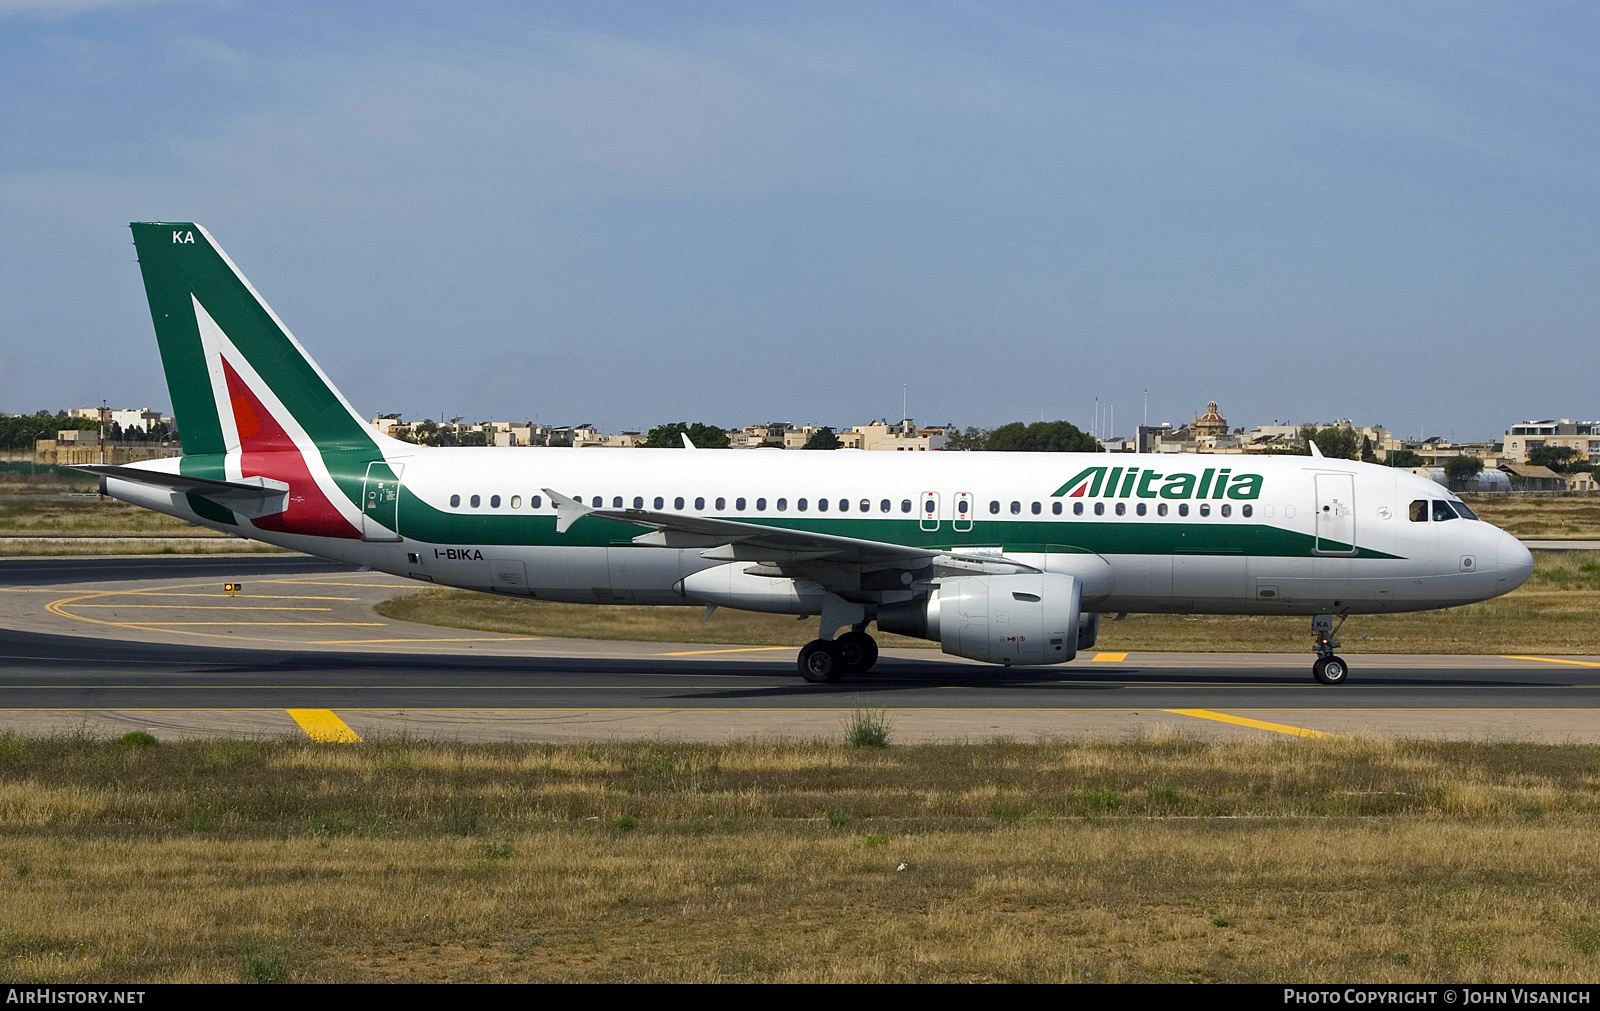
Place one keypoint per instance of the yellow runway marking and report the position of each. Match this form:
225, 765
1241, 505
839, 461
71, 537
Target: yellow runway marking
1109, 657
322, 725
1244, 721
172, 624
357, 642
209, 607
237, 596
741, 649
1556, 659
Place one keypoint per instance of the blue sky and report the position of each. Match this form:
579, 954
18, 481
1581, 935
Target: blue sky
635, 213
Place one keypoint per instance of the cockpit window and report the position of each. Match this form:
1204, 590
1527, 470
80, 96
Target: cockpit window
1462, 511
1442, 511
1419, 511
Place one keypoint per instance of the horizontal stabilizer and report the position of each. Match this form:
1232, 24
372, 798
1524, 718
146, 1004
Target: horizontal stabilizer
248, 489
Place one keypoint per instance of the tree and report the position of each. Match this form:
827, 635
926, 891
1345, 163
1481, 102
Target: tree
973, 439
823, 438
1462, 469
1041, 437
1404, 458
702, 435
1336, 441
1557, 458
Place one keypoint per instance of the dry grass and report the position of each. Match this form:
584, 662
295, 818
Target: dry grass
1155, 859
1553, 612
1541, 516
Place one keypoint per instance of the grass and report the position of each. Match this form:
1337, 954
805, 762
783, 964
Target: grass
1552, 613
1142, 859
1541, 516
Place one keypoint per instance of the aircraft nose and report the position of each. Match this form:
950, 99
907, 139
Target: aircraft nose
1514, 563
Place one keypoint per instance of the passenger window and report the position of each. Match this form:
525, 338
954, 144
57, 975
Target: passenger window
1246, 510
994, 508
1140, 508
1055, 507
661, 503
638, 501
1161, 508
1036, 508
1016, 508
1099, 508
738, 504
822, 505
1227, 510
1183, 508
700, 502
800, 504
677, 503
1077, 508
598, 501
961, 506
761, 505
1442, 511
883, 506
844, 505
1205, 509
867, 506
455, 501
616, 503
927, 507
537, 502
722, 504
905, 505
783, 505
1122, 508
1419, 510
516, 501
474, 501
494, 501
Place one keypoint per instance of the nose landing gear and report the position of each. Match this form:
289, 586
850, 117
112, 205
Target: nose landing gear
1327, 668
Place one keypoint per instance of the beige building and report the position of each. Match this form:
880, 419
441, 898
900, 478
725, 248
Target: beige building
903, 436
72, 447
1526, 436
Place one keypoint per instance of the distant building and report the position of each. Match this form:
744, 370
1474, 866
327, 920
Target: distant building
1526, 436
125, 418
902, 436
72, 447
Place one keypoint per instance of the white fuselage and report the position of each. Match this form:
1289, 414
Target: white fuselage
1309, 535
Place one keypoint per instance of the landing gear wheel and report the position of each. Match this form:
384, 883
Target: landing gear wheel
1330, 670
821, 662
858, 650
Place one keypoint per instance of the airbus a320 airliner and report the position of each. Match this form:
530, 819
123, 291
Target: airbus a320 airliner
1006, 558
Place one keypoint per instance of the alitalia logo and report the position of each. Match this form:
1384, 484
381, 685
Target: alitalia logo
1143, 482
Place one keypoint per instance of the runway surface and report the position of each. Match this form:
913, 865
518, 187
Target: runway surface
103, 644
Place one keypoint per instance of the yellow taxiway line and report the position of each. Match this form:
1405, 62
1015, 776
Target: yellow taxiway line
1245, 721
1556, 659
1109, 657
741, 649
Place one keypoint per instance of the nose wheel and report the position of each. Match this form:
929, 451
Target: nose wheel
1327, 669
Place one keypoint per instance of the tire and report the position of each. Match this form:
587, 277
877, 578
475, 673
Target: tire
858, 650
1330, 670
820, 662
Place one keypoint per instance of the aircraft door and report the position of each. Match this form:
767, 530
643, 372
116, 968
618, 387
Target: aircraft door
962, 519
380, 502
1336, 514
928, 513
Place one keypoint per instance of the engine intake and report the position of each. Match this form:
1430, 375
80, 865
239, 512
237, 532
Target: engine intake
1024, 619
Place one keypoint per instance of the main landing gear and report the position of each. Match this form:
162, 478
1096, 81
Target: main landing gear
1327, 668
823, 661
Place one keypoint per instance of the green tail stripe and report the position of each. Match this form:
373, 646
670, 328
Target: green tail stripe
179, 260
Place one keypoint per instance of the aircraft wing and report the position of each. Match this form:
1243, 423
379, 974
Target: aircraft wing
736, 540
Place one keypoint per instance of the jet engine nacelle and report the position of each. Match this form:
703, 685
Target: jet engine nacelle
1024, 619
